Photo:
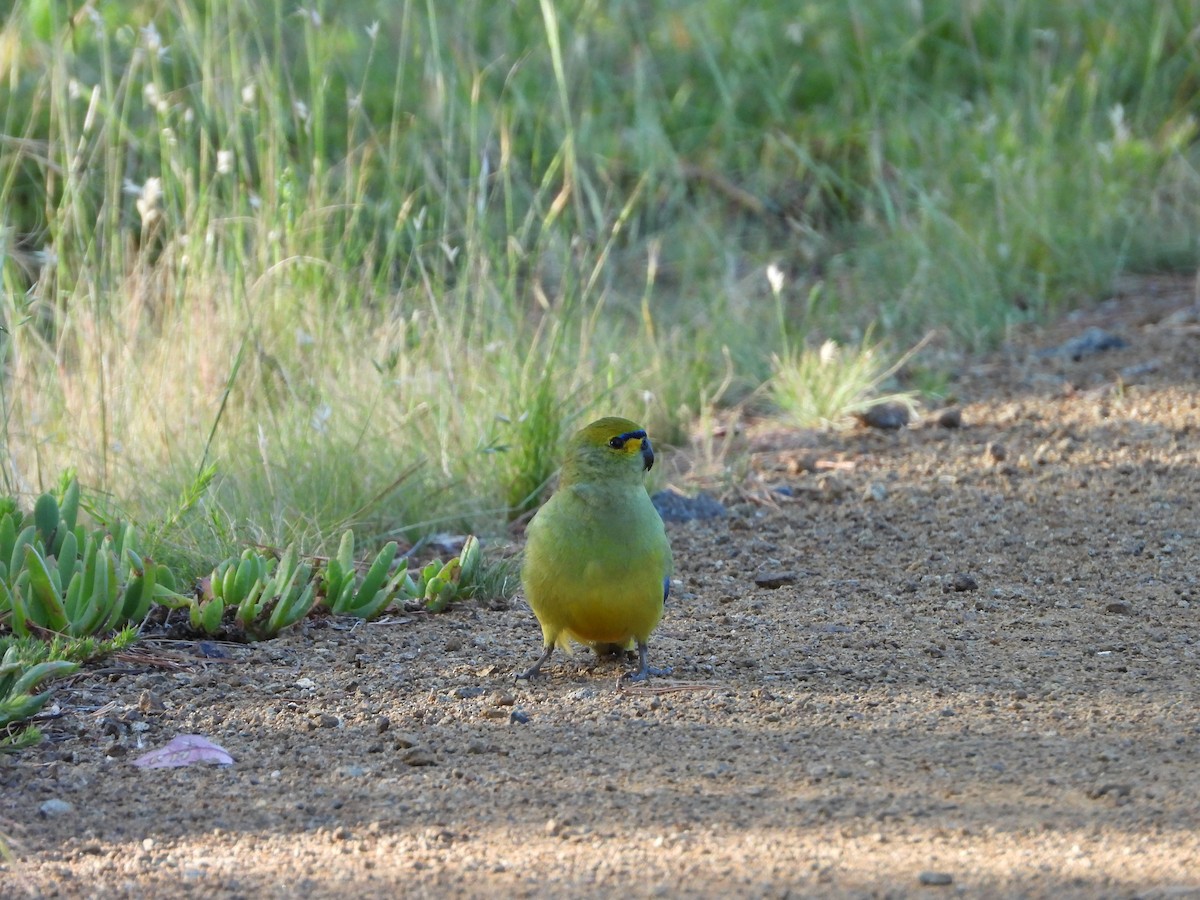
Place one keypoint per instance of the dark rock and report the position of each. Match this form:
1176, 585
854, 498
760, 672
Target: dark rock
935, 879
775, 579
888, 416
1137, 370
961, 581
416, 756
950, 418
1094, 340
676, 507
403, 741
1111, 789
54, 807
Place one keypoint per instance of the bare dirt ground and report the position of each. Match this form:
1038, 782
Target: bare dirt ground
975, 673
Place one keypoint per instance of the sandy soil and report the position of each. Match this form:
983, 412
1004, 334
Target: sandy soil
941, 661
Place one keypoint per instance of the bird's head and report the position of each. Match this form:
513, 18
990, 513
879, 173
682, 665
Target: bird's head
608, 448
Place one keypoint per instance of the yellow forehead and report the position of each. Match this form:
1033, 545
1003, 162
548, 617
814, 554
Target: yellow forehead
603, 430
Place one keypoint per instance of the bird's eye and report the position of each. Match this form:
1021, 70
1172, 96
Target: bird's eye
617, 443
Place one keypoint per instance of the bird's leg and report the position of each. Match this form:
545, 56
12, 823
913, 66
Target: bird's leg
645, 671
533, 670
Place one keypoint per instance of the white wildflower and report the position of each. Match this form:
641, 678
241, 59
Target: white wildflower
829, 353
320, 417
47, 257
224, 162
151, 39
1116, 118
775, 278
149, 196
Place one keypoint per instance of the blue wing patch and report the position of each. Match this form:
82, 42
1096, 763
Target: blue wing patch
666, 588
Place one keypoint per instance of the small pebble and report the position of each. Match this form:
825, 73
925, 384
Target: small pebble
961, 581
676, 507
774, 580
1119, 608
888, 416
1111, 790
950, 418
1094, 340
518, 717
52, 808
1137, 370
211, 650
416, 756
830, 487
936, 879
403, 740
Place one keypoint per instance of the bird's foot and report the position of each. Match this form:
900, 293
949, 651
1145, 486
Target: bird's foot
535, 668
645, 672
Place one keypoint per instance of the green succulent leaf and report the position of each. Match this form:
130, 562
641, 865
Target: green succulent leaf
211, 615
376, 575
44, 594
46, 518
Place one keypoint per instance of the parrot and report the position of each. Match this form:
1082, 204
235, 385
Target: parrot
597, 566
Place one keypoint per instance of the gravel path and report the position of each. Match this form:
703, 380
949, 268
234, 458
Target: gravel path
941, 661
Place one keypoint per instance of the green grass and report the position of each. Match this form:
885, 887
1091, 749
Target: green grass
829, 385
372, 260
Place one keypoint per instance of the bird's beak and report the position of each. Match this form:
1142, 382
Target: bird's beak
647, 454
